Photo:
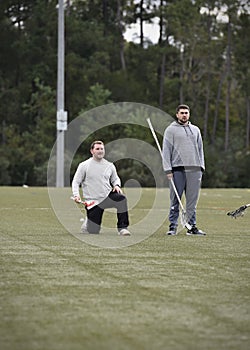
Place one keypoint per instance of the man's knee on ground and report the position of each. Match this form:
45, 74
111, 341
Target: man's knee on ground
93, 228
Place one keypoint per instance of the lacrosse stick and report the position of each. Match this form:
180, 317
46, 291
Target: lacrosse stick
238, 212
183, 212
85, 203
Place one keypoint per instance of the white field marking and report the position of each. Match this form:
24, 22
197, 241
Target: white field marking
15, 208
213, 208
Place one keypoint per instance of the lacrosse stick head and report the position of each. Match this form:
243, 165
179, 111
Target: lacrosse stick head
238, 212
184, 221
183, 218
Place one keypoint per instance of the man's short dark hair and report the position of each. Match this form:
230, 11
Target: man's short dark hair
182, 107
96, 143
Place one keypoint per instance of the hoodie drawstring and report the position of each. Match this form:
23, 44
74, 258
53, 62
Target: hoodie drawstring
188, 126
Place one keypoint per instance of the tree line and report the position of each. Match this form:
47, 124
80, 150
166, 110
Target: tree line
201, 58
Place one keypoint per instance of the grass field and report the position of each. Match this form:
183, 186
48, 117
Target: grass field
184, 292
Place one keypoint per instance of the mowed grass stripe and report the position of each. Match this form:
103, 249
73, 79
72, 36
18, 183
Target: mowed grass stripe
164, 293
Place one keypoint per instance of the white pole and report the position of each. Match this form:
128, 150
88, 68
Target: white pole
61, 114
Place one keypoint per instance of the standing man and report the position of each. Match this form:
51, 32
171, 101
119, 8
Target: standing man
101, 189
183, 161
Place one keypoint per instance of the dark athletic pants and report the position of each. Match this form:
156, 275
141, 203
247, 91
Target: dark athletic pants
114, 200
189, 182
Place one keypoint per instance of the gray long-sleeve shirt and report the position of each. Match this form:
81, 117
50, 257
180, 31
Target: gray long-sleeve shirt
182, 147
97, 179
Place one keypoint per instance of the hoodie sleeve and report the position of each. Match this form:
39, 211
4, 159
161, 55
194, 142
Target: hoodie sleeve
167, 148
200, 150
114, 179
78, 179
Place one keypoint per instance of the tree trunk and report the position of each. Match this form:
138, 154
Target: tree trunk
217, 103
162, 78
248, 122
105, 15
206, 108
119, 20
161, 23
228, 92
141, 24
181, 94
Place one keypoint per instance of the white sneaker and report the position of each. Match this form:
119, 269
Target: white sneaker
124, 232
84, 226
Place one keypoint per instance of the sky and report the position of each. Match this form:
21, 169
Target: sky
151, 32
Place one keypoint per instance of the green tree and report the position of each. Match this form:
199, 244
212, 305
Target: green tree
202, 58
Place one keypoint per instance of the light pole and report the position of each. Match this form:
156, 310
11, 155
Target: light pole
61, 115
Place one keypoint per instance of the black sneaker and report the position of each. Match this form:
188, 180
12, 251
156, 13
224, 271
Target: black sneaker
172, 230
195, 231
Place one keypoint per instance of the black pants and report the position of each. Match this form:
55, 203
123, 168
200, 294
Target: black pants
114, 200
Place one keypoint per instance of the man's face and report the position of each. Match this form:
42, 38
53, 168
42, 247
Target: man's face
98, 151
183, 115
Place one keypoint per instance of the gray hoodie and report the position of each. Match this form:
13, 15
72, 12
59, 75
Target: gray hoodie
182, 147
97, 178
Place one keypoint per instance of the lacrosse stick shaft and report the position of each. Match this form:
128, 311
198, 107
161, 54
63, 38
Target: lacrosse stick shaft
186, 224
176, 193
85, 203
154, 135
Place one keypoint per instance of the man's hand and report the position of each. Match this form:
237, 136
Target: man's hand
117, 189
169, 176
77, 199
